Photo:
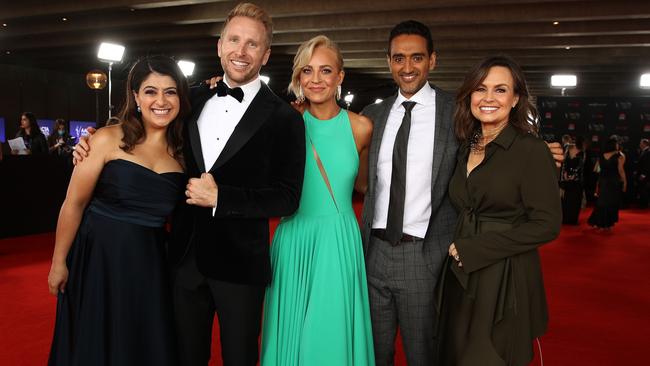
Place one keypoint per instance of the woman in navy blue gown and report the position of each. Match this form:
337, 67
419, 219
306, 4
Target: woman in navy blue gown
108, 269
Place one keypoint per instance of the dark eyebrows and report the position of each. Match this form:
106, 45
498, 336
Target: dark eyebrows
155, 88
418, 54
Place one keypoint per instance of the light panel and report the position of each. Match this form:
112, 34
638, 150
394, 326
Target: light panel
110, 52
564, 81
187, 67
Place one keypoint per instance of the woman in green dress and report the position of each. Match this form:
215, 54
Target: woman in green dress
491, 294
316, 308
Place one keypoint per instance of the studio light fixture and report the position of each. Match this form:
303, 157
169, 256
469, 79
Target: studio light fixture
564, 81
644, 82
110, 53
348, 98
187, 67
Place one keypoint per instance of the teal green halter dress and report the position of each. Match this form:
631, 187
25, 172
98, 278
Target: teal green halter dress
316, 309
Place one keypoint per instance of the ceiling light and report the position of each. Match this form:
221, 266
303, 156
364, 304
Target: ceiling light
265, 79
187, 67
567, 47
110, 52
4, 24
64, 19
378, 100
644, 82
556, 23
564, 81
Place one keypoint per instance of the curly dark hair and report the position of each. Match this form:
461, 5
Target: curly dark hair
523, 117
132, 126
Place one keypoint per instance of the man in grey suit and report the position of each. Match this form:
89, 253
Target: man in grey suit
408, 220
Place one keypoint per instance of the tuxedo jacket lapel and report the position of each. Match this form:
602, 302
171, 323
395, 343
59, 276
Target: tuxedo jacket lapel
256, 114
199, 99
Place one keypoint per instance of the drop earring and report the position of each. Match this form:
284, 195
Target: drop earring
139, 110
301, 96
338, 92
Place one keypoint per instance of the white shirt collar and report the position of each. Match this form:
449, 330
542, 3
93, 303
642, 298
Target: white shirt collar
250, 89
425, 96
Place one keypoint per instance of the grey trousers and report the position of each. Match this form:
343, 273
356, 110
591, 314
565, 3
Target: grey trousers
401, 282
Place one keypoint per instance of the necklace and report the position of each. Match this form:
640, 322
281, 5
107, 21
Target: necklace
478, 141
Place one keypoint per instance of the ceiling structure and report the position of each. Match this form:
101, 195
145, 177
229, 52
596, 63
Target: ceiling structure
606, 43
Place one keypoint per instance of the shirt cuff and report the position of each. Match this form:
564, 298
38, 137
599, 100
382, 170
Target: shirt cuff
214, 209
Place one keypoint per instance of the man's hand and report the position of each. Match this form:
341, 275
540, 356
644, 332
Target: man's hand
81, 149
557, 151
213, 81
300, 105
202, 191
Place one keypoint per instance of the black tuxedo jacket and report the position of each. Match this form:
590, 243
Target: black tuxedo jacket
259, 174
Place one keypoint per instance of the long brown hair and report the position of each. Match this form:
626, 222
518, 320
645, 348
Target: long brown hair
132, 126
523, 117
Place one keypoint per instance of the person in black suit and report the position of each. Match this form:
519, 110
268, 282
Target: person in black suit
643, 173
244, 151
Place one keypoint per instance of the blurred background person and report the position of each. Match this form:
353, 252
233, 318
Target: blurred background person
32, 135
493, 303
642, 173
589, 175
566, 141
611, 183
60, 142
571, 181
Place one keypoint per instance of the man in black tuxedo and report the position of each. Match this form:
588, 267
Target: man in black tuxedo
245, 153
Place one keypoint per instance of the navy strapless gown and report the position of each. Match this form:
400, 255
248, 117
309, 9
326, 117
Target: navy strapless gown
117, 307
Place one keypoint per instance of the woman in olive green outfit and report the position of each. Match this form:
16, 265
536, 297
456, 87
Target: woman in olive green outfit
491, 294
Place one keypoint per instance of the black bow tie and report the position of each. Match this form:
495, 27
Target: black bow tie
223, 90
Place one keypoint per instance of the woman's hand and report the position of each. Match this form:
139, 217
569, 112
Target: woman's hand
454, 254
58, 278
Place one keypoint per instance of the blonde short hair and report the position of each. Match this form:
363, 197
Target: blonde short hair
254, 12
304, 54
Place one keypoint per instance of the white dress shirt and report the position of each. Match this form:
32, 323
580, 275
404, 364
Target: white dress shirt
219, 117
419, 162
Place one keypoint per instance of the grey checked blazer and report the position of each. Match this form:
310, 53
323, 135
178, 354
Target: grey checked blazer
443, 215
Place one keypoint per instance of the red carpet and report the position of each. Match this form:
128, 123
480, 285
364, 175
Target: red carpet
597, 284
